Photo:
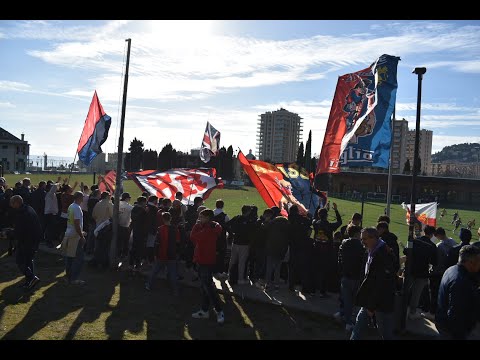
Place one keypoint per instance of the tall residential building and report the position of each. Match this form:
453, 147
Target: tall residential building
13, 152
399, 145
278, 136
425, 149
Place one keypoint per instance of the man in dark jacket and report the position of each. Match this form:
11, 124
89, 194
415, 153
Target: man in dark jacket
323, 256
391, 241
276, 246
377, 292
240, 227
300, 226
139, 218
351, 262
28, 232
457, 310
424, 254
465, 238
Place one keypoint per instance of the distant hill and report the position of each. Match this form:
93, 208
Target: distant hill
464, 153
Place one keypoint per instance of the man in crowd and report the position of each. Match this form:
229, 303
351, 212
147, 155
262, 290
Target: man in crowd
139, 217
351, 261
51, 212
356, 220
204, 236
124, 218
391, 241
323, 258
376, 294
240, 228
457, 311
74, 241
424, 254
222, 218
443, 247
28, 233
465, 237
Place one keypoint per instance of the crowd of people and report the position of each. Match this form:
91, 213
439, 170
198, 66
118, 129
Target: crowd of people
314, 255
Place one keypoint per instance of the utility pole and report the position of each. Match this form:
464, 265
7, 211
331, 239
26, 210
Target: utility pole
411, 234
118, 180
390, 170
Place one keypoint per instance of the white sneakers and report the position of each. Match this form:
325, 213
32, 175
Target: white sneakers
200, 314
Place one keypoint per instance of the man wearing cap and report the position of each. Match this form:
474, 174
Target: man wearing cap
125, 211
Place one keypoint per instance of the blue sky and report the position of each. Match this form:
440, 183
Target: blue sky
183, 73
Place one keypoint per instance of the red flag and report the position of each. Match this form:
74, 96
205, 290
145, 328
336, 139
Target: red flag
190, 182
107, 182
95, 131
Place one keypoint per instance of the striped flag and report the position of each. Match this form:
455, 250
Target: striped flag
95, 132
210, 143
190, 182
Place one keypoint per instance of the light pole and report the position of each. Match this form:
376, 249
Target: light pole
419, 71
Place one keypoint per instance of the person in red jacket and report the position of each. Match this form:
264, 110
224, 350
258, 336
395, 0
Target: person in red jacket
168, 237
204, 237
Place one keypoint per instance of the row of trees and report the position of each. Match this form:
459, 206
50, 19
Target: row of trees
304, 158
139, 158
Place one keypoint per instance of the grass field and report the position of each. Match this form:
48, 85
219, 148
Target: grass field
114, 305
234, 199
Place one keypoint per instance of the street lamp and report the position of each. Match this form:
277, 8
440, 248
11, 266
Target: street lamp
419, 71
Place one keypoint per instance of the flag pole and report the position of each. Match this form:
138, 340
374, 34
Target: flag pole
390, 170
116, 208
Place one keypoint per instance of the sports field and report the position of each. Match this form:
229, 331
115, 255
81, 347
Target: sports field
234, 199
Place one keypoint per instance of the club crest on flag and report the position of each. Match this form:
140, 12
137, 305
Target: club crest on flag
358, 130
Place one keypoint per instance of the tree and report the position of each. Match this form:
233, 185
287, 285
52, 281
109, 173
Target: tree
313, 164
136, 154
229, 163
308, 153
149, 159
300, 156
167, 159
406, 167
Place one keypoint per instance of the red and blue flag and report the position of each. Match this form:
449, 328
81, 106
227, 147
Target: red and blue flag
95, 132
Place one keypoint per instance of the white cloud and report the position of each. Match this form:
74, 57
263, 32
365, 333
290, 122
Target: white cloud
182, 60
6, 105
440, 141
13, 86
432, 106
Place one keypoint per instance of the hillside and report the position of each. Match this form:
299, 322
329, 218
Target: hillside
465, 153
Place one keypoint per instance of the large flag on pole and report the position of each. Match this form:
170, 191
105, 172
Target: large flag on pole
95, 132
425, 213
190, 182
282, 184
210, 143
358, 130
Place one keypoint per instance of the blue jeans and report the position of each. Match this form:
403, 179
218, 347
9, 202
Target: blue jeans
73, 265
348, 291
385, 322
209, 292
171, 269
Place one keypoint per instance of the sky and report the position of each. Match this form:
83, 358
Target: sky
185, 73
